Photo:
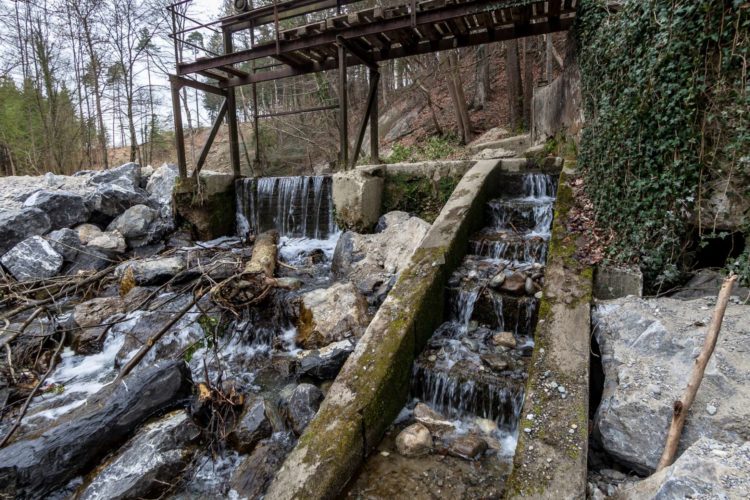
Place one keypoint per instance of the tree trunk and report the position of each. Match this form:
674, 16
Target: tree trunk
513, 76
528, 80
265, 251
459, 99
482, 78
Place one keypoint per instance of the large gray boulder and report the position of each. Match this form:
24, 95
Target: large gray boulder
708, 469
37, 466
161, 185
127, 176
148, 464
109, 242
331, 314
33, 258
648, 348
17, 225
139, 225
65, 242
63, 208
324, 363
303, 405
373, 261
108, 201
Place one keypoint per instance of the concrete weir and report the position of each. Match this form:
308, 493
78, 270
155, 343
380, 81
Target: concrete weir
373, 385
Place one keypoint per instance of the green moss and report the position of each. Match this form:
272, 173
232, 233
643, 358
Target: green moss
417, 194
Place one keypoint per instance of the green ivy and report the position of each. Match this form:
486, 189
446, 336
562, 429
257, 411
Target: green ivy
666, 99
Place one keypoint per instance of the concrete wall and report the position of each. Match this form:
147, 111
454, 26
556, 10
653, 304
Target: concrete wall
558, 107
373, 385
550, 460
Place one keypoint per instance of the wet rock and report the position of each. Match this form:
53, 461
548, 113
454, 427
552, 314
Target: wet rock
414, 441
87, 232
254, 474
504, 339
467, 447
33, 258
372, 261
17, 225
514, 283
253, 425
331, 314
44, 464
706, 283
110, 242
654, 342
289, 283
127, 176
90, 317
497, 280
149, 463
431, 419
136, 224
154, 271
303, 405
496, 362
707, 469
324, 363
63, 208
65, 242
530, 287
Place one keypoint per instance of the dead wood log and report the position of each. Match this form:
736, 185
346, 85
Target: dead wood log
682, 406
264, 254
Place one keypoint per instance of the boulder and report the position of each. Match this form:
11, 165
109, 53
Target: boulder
373, 261
111, 242
90, 317
706, 283
136, 224
357, 196
65, 242
127, 176
514, 283
45, 463
414, 441
303, 405
17, 225
434, 421
153, 271
252, 426
161, 185
467, 447
87, 232
33, 258
648, 349
63, 208
707, 469
331, 314
504, 339
108, 201
324, 363
254, 474
88, 260
149, 463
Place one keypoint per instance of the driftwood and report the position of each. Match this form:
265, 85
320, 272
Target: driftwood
682, 405
264, 255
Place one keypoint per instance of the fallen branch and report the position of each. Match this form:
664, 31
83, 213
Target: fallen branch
264, 255
25, 407
682, 406
158, 335
12, 336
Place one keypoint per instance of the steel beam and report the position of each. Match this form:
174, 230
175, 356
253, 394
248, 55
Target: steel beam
188, 82
372, 101
374, 136
210, 140
343, 110
327, 37
234, 139
179, 136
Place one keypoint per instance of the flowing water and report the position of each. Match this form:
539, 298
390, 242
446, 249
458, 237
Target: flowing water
474, 367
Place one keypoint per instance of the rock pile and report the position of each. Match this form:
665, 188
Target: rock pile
84, 222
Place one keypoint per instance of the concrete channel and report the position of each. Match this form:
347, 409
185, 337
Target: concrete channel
373, 385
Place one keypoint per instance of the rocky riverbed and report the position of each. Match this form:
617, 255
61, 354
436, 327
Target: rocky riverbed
132, 370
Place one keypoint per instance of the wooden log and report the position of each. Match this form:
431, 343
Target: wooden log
682, 406
264, 255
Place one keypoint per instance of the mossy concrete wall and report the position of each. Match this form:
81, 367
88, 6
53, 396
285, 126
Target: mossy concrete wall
207, 204
550, 461
373, 385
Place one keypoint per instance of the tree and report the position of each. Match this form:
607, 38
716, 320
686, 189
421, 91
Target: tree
515, 90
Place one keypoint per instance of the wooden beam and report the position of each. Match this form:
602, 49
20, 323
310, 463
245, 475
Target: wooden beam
343, 110
234, 139
372, 100
179, 136
188, 82
366, 59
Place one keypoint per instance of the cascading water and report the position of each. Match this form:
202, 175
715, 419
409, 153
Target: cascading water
475, 363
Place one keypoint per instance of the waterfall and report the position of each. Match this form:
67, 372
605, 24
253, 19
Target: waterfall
295, 206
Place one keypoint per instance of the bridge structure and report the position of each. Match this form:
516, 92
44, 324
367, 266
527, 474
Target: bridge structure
340, 36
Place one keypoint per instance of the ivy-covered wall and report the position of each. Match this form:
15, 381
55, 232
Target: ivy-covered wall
667, 104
